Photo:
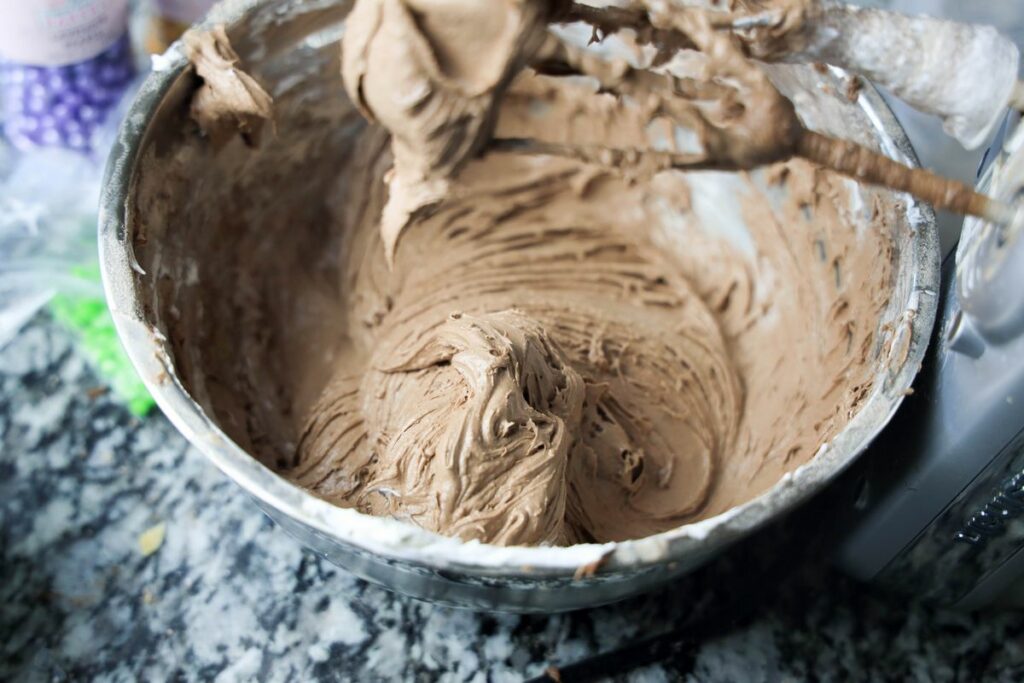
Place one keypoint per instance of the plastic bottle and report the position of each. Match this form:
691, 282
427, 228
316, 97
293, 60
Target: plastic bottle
65, 65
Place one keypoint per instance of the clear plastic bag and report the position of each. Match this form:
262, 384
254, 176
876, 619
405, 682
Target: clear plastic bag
48, 208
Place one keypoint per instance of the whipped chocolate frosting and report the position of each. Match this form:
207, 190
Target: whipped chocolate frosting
556, 351
432, 72
435, 73
229, 101
562, 355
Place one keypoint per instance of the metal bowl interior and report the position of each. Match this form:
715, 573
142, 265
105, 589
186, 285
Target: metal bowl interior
292, 48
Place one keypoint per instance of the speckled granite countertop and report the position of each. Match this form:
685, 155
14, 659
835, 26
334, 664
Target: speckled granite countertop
228, 596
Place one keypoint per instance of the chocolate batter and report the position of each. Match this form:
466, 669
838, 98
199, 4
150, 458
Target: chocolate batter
229, 101
549, 361
553, 352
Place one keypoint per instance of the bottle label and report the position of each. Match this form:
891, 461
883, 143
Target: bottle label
184, 11
60, 32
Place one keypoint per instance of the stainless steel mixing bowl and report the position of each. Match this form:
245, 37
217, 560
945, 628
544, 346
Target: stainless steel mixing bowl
291, 46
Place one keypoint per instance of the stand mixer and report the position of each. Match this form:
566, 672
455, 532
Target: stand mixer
939, 497
938, 503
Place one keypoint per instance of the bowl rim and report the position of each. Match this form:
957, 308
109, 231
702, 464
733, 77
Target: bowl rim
395, 540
